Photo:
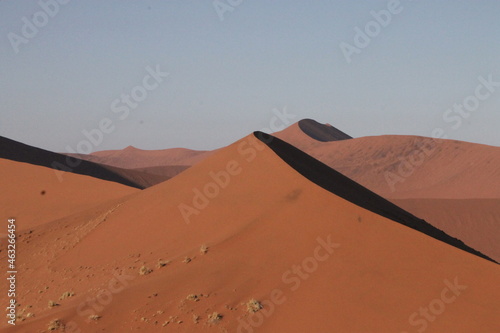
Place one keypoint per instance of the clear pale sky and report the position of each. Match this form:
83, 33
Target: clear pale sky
227, 76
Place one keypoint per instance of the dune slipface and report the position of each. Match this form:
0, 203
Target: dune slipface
315, 261
425, 175
19, 152
404, 167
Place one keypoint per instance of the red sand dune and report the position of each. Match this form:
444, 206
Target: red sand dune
459, 172
19, 152
266, 228
34, 195
167, 171
133, 158
474, 221
417, 167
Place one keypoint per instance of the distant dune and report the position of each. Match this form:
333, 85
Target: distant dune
134, 158
396, 166
320, 132
19, 152
315, 261
474, 221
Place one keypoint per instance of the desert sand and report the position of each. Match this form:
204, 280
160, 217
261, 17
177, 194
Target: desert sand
167, 258
34, 195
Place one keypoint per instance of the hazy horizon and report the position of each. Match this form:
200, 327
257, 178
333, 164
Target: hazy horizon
230, 67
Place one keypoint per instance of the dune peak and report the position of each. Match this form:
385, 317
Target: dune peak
321, 132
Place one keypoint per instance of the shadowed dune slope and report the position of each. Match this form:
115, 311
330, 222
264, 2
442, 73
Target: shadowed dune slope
335, 182
166, 171
320, 132
19, 152
143, 178
474, 221
34, 195
317, 262
399, 167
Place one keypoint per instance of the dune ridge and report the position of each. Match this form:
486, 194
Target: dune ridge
19, 152
335, 182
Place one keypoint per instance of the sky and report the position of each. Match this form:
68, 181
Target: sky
203, 74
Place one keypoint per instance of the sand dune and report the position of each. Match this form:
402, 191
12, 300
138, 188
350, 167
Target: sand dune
474, 221
19, 152
317, 262
167, 171
409, 166
34, 195
134, 158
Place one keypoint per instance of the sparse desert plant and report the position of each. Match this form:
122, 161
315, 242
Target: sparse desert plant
52, 304
30, 314
203, 249
94, 317
187, 260
55, 325
67, 294
196, 319
193, 297
162, 263
214, 318
253, 305
145, 270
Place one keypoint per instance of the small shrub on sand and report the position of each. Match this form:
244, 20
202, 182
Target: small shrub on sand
253, 305
67, 294
145, 270
203, 249
214, 318
94, 317
52, 304
187, 260
55, 325
193, 297
162, 263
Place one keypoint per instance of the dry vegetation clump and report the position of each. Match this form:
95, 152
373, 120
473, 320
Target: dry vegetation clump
67, 294
55, 324
52, 304
214, 318
193, 297
253, 305
145, 270
162, 263
203, 249
187, 260
94, 317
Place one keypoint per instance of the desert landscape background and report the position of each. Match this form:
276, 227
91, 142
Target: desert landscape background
257, 236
